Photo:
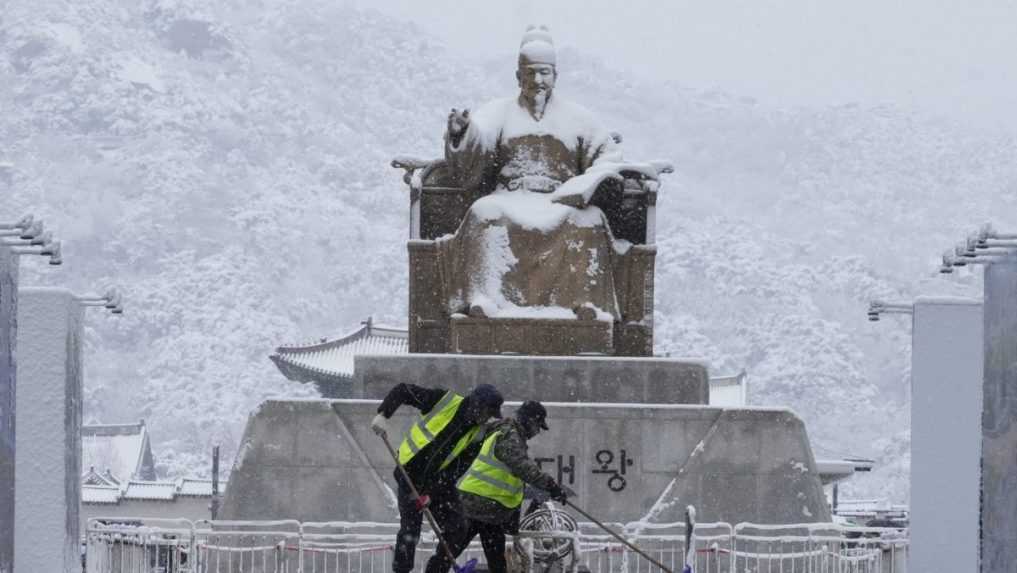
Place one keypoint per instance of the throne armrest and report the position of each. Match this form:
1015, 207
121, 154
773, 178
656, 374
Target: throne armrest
630, 204
411, 165
437, 200
645, 177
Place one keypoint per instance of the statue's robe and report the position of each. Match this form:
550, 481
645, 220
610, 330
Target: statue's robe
519, 252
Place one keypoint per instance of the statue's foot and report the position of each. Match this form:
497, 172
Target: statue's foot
477, 311
585, 313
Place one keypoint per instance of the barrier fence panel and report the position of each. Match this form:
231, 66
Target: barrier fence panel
138, 546
347, 547
144, 545
818, 548
246, 547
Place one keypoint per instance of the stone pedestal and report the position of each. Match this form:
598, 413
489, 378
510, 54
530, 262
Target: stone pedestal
48, 475
946, 433
634, 437
8, 337
300, 460
552, 379
319, 461
532, 337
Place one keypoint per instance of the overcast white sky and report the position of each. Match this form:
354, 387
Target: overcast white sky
955, 57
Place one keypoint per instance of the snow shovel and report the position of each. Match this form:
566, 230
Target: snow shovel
470, 565
618, 537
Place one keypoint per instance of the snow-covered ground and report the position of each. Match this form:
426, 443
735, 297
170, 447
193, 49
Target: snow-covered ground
227, 165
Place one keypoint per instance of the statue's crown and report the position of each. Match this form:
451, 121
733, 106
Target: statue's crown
537, 46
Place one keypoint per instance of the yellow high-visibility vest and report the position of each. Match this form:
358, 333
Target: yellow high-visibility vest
488, 477
423, 431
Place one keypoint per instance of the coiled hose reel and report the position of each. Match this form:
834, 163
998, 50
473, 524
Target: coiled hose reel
548, 519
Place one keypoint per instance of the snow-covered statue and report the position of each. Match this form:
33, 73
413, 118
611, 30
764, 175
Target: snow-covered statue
549, 220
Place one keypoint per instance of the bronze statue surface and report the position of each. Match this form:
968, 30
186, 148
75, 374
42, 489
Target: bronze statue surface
544, 222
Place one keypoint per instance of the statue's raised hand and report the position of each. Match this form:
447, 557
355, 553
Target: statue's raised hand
458, 121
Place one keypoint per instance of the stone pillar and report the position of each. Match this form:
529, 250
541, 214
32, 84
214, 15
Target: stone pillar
999, 419
48, 473
8, 338
946, 433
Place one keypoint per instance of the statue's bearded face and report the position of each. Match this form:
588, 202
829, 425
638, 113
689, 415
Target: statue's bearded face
536, 81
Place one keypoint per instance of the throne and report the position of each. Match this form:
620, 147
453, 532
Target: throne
438, 204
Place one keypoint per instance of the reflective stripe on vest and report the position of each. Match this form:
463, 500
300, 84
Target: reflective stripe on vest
423, 431
489, 477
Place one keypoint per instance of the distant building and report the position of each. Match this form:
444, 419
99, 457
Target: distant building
729, 391
183, 498
115, 453
878, 512
92, 477
120, 479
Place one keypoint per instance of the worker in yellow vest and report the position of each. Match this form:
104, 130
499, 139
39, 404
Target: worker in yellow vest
492, 488
436, 450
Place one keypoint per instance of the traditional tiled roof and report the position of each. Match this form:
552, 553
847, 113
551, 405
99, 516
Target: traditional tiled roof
148, 491
869, 507
330, 361
92, 477
154, 490
122, 450
834, 468
197, 487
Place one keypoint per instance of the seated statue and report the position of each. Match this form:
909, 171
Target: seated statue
533, 235
532, 246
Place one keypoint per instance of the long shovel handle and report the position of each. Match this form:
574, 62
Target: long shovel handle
402, 470
618, 537
416, 495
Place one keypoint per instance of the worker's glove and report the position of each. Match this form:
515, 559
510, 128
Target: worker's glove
559, 493
422, 502
380, 425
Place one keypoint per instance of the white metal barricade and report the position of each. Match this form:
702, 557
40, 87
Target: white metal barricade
145, 545
818, 548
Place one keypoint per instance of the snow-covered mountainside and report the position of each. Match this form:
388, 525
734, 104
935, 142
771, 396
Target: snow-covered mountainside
228, 167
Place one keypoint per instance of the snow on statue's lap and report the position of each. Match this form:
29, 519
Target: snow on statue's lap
534, 211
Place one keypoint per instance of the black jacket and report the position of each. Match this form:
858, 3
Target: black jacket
425, 467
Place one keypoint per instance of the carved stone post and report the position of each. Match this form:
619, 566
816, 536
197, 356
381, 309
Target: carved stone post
946, 433
8, 337
999, 419
50, 337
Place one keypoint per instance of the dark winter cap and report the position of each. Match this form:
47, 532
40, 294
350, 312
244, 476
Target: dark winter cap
533, 410
489, 396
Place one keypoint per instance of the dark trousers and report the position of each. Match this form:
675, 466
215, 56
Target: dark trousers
445, 508
492, 537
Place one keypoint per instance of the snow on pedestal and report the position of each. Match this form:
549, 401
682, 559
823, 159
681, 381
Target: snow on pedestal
8, 332
49, 431
946, 434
